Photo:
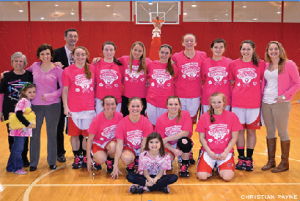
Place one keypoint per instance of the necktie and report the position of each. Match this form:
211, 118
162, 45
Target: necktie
71, 59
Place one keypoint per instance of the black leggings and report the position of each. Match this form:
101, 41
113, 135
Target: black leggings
161, 183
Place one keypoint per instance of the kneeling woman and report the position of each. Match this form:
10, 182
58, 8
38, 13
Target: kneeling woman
176, 129
218, 131
131, 134
153, 163
102, 134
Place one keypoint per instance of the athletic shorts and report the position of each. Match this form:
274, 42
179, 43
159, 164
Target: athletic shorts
206, 164
191, 105
205, 108
99, 107
136, 152
73, 130
98, 147
249, 118
153, 112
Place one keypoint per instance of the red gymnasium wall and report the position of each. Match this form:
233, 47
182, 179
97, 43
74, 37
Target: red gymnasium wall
27, 36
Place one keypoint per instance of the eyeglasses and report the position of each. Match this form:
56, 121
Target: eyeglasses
72, 36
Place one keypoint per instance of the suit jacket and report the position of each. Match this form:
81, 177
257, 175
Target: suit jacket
61, 55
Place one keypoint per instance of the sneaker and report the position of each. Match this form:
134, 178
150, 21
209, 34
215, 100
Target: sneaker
241, 164
130, 167
76, 163
165, 189
31, 169
136, 161
109, 166
136, 189
20, 171
81, 160
192, 160
84, 162
97, 166
61, 158
249, 164
53, 167
184, 170
179, 159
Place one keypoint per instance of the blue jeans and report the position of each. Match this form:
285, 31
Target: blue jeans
15, 161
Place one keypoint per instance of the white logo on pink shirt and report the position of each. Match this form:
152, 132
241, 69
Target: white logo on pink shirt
218, 131
135, 138
246, 75
161, 76
109, 132
190, 71
217, 73
84, 83
108, 76
173, 130
134, 75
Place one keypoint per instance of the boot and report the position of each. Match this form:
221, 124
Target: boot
271, 144
284, 164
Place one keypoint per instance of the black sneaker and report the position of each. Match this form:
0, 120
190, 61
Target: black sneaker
53, 167
130, 168
109, 166
61, 158
192, 160
31, 169
76, 164
165, 189
249, 164
97, 166
184, 171
136, 189
84, 162
241, 164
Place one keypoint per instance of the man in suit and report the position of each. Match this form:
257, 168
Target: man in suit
64, 55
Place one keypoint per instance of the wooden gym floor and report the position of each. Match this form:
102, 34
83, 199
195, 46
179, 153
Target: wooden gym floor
64, 183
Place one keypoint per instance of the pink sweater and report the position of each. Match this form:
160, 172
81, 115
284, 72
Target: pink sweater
288, 80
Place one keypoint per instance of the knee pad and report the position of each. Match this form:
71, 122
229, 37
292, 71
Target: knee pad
185, 148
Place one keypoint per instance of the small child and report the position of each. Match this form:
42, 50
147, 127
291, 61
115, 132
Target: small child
153, 163
15, 162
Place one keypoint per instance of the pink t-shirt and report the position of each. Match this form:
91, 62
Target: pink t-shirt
215, 77
104, 129
133, 133
134, 83
154, 165
219, 133
188, 82
81, 95
161, 84
21, 105
166, 127
246, 92
109, 80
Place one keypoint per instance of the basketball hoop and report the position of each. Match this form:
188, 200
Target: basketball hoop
156, 32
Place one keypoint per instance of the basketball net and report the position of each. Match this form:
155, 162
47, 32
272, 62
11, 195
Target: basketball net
156, 32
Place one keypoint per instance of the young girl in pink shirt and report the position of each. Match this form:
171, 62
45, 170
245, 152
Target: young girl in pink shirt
101, 140
131, 135
215, 74
247, 75
108, 76
153, 164
79, 102
188, 84
218, 133
161, 83
176, 129
15, 162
